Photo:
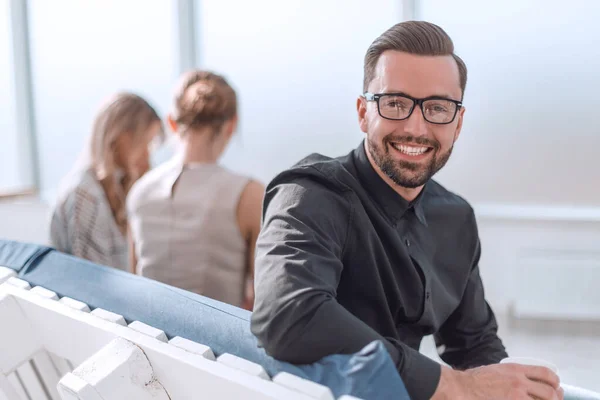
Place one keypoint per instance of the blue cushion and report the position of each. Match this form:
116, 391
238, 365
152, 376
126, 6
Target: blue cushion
17, 255
369, 374
177, 312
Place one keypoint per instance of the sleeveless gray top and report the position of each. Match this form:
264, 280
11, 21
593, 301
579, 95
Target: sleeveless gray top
183, 221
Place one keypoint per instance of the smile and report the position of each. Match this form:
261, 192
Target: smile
411, 150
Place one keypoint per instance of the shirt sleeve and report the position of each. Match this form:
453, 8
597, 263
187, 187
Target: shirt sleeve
299, 255
469, 337
73, 224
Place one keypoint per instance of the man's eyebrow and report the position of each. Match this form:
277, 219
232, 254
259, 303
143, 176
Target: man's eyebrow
443, 95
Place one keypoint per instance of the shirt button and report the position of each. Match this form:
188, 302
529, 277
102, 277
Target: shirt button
427, 295
407, 241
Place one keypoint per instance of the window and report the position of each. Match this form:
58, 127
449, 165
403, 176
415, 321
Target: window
81, 53
16, 167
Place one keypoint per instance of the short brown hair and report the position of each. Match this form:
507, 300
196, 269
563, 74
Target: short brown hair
204, 99
413, 37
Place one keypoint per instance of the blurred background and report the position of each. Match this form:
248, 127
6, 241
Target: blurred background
526, 159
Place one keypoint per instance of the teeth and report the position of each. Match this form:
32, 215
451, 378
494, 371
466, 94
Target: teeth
410, 150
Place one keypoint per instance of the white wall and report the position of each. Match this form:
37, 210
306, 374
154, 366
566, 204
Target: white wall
297, 67
82, 52
24, 220
531, 133
527, 154
530, 136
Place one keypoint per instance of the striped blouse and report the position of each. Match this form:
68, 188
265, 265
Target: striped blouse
83, 225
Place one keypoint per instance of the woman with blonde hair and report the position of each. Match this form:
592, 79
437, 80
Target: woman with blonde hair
193, 222
89, 219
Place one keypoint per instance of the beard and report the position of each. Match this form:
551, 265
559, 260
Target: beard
405, 173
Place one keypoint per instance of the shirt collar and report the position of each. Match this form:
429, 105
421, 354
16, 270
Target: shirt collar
394, 205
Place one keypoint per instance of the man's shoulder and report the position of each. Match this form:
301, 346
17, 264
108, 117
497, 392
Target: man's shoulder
439, 199
317, 170
317, 185
436, 192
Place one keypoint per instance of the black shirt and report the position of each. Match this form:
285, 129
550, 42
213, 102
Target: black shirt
343, 260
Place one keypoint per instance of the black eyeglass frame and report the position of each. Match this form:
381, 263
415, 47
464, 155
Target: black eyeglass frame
376, 96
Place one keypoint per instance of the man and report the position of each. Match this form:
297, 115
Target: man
367, 247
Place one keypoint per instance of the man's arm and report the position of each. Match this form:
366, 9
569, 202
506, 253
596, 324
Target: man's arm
298, 267
469, 337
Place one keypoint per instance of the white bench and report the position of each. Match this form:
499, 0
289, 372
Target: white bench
52, 349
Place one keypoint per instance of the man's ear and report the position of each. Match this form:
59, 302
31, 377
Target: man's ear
460, 115
361, 109
172, 124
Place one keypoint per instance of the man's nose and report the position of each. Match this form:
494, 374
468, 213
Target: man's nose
416, 125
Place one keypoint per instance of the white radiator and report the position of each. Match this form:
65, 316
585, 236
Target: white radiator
557, 285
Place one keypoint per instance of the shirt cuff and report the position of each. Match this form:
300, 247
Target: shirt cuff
421, 375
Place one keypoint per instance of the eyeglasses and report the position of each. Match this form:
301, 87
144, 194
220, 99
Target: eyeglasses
398, 106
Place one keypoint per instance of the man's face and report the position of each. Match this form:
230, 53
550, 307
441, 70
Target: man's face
409, 152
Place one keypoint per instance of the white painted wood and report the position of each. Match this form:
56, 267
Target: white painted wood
72, 387
8, 389
348, 397
119, 371
15, 382
109, 316
33, 383
243, 365
49, 373
193, 347
45, 293
6, 273
148, 330
60, 364
18, 343
19, 283
305, 386
75, 304
76, 336
222, 382
63, 336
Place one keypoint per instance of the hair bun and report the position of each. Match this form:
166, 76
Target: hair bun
204, 98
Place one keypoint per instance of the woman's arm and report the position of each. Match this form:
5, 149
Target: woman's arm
132, 256
249, 216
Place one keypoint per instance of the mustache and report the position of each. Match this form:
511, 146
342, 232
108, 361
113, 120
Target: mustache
409, 139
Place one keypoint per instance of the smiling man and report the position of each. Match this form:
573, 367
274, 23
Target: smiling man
368, 247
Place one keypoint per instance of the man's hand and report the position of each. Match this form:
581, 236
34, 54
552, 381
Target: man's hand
501, 382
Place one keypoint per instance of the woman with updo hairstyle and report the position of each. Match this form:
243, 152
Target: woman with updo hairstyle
194, 223
89, 219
